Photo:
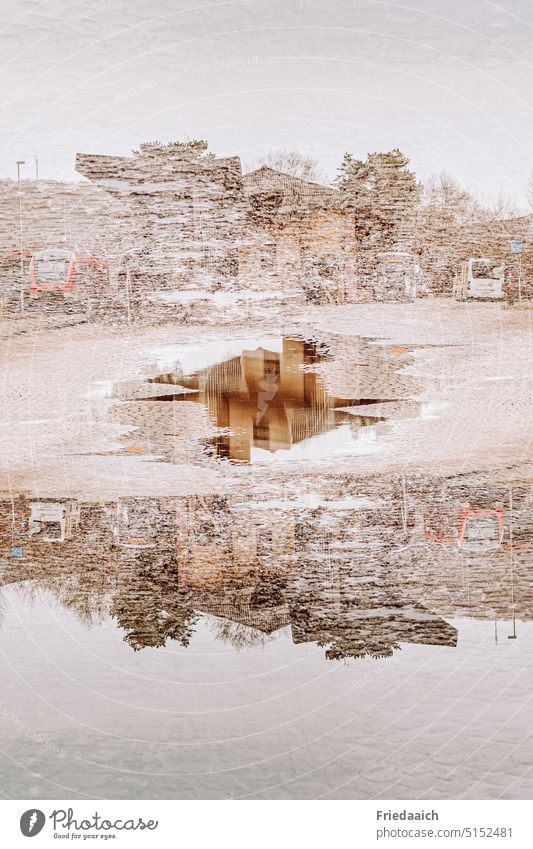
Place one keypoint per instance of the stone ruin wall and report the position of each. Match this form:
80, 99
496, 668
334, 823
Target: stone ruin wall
185, 216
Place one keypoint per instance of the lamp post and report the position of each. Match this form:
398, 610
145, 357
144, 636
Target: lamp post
19, 163
513, 635
516, 248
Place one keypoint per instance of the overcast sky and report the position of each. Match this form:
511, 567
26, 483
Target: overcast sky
447, 81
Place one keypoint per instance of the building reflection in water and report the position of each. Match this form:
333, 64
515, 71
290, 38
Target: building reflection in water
265, 399
356, 575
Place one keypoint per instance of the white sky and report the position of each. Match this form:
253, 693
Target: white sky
448, 81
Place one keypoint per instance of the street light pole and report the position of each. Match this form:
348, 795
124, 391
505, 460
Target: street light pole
19, 163
516, 248
513, 635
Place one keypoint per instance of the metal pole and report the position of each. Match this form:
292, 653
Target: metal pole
128, 295
520, 278
404, 510
37, 168
19, 163
513, 635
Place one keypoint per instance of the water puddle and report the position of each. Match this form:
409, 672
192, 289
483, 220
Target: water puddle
282, 398
208, 636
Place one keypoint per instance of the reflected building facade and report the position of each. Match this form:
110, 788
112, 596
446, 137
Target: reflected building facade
357, 576
265, 399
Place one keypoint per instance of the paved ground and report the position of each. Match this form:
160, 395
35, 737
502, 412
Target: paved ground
13, 326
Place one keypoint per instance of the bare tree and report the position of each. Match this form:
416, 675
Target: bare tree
443, 191
449, 218
453, 225
295, 163
239, 636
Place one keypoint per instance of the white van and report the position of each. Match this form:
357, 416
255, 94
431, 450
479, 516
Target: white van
480, 279
53, 521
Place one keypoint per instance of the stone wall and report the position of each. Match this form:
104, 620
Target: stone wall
184, 211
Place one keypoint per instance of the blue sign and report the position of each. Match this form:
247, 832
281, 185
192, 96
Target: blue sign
516, 246
17, 552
